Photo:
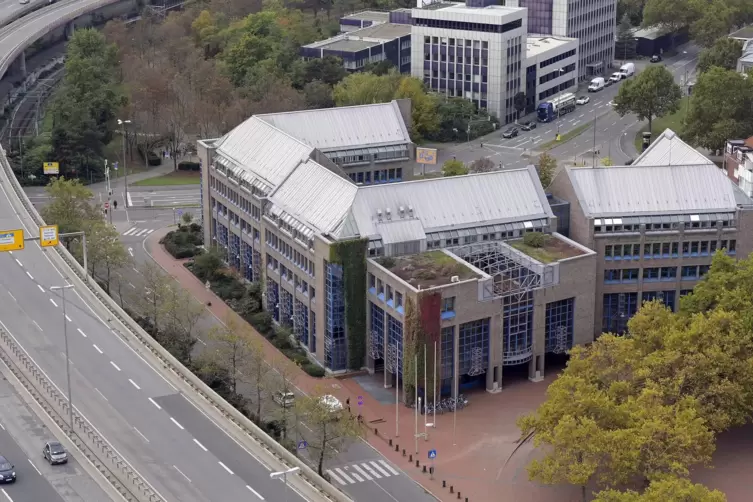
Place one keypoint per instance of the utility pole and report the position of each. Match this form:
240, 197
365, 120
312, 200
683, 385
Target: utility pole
123, 123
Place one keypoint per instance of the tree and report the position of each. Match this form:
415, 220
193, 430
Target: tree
652, 93
670, 15
105, 252
328, 70
719, 108
332, 430
148, 301
547, 169
663, 490
714, 21
454, 167
382, 67
483, 165
258, 370
425, 120
624, 48
180, 313
70, 205
519, 101
724, 53
367, 88
284, 373
318, 95
233, 347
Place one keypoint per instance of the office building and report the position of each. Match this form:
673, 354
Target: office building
364, 46
736, 164
592, 22
363, 19
551, 68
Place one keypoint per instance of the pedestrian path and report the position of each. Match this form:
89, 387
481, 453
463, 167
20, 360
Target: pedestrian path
138, 232
362, 471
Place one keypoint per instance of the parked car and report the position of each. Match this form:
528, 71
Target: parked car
529, 126
510, 132
596, 84
656, 58
54, 453
616, 77
284, 399
7, 471
582, 100
608, 82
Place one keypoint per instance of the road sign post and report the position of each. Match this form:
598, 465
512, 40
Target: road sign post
51, 168
11, 240
48, 236
432, 456
302, 445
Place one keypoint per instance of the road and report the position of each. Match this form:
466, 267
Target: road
164, 435
614, 135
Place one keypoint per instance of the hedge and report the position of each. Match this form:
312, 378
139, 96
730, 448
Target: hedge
187, 165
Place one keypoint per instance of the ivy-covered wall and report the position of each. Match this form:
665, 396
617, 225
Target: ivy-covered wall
351, 255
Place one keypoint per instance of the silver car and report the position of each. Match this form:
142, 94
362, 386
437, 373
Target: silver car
54, 453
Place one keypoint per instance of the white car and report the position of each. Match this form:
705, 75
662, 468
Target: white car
23, 2
332, 403
582, 100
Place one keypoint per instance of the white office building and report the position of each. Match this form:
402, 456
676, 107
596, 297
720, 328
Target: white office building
474, 50
551, 68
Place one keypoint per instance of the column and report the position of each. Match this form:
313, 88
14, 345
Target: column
69, 29
495, 344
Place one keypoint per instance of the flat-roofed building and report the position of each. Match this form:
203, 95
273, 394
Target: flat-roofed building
363, 19
551, 68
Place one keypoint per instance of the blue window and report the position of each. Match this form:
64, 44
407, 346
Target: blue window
668, 273
618, 308
690, 272
666, 297
447, 358
377, 328
517, 328
395, 339
234, 251
448, 308
301, 322
313, 330
473, 347
559, 322
335, 342
286, 308
612, 276
248, 261
650, 274
273, 294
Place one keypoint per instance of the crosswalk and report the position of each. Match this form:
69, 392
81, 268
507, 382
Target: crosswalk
138, 232
362, 471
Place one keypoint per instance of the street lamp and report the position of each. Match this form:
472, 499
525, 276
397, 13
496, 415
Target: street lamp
123, 123
284, 476
67, 356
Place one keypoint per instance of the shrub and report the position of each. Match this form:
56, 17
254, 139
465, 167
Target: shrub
262, 322
187, 165
314, 370
535, 239
208, 265
281, 340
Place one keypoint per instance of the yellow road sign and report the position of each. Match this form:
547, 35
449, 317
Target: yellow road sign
48, 236
51, 168
11, 240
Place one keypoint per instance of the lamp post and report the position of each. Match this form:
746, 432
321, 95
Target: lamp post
284, 476
67, 356
123, 123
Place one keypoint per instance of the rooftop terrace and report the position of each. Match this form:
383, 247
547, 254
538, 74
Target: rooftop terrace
427, 270
546, 248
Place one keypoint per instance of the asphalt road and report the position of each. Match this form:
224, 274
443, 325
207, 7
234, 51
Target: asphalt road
22, 436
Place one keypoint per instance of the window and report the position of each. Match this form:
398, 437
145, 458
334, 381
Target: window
668, 273
473, 347
380, 289
447, 357
377, 327
517, 328
630, 275
395, 339
618, 308
650, 274
372, 283
559, 325
666, 297
690, 272
398, 300
390, 299
448, 304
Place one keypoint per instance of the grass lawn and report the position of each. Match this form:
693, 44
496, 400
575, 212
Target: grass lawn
673, 121
174, 178
564, 137
553, 249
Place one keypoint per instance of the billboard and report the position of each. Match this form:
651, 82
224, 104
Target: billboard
11, 240
48, 236
426, 155
51, 168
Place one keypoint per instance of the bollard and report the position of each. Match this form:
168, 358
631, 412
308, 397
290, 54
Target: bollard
410, 458
416, 463
444, 484
397, 447
424, 469
431, 470
403, 451
458, 495
390, 442
452, 489
466, 499
376, 431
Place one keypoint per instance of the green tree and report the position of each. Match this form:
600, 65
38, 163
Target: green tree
664, 490
332, 430
624, 48
719, 108
70, 206
367, 88
547, 168
454, 167
233, 348
328, 69
670, 15
382, 67
105, 253
714, 20
318, 95
652, 93
724, 53
425, 120
283, 382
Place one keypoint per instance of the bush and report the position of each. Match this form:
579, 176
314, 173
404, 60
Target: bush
313, 370
535, 239
281, 340
208, 265
187, 165
262, 322
228, 287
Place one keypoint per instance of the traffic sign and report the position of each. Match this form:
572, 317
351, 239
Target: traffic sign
302, 445
180, 212
48, 236
115, 165
360, 400
432, 454
11, 240
107, 205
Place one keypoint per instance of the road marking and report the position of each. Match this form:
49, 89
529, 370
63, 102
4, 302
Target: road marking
30, 276
53, 302
98, 349
38, 326
134, 269
130, 231
7, 496
344, 476
100, 393
19, 262
200, 445
131, 284
82, 333
140, 434
40, 288
372, 471
114, 365
335, 477
134, 384
155, 403
224, 466
181, 473
379, 468
34, 466
179, 426
128, 196
63, 354
389, 467
363, 473
356, 476
255, 492
68, 318
201, 341
11, 295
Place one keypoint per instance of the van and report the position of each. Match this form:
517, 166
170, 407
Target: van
627, 70
596, 85
616, 77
